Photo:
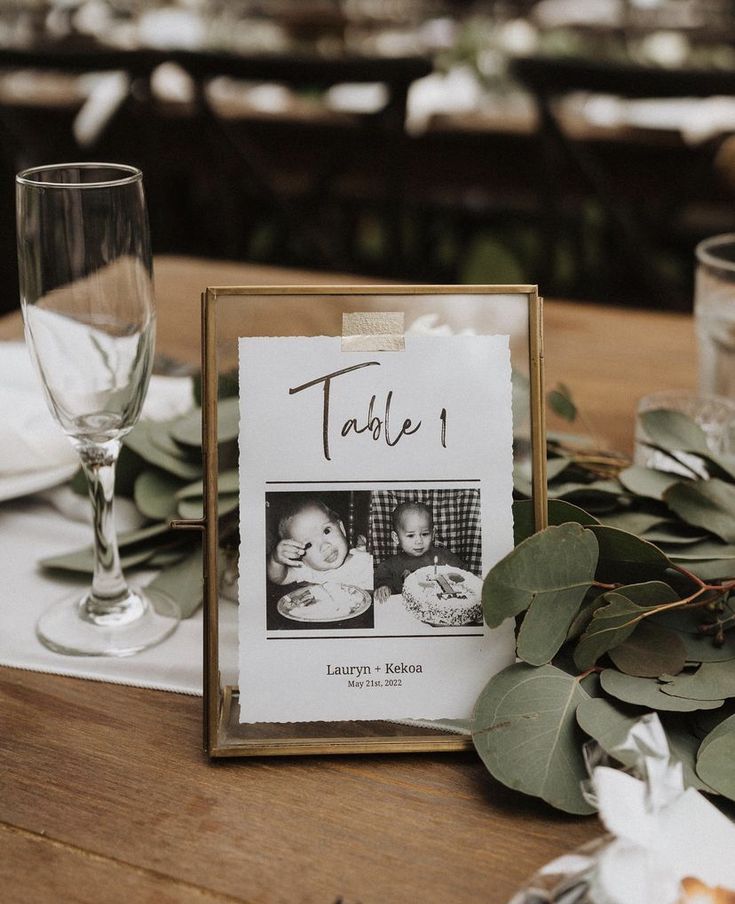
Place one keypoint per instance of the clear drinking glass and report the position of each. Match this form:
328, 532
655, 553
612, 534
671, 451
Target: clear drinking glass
86, 289
715, 415
714, 310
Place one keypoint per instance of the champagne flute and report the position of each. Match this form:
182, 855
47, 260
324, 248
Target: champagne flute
86, 289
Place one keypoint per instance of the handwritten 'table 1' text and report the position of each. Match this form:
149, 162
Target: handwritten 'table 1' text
376, 427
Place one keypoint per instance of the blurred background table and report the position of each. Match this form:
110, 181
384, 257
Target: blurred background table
106, 795
583, 146
608, 356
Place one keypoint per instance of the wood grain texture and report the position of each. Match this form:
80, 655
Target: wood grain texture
118, 772
106, 796
53, 871
610, 357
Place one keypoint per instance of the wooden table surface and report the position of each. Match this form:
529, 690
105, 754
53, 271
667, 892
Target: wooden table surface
105, 795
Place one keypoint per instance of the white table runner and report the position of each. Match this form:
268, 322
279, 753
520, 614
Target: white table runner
31, 529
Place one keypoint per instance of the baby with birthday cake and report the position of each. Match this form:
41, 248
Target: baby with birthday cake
436, 585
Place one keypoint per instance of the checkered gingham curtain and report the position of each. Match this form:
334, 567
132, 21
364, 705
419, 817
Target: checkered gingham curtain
456, 522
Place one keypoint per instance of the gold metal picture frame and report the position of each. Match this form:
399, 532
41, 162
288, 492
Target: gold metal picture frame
234, 311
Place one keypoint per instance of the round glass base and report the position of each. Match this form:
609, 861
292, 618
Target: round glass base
78, 627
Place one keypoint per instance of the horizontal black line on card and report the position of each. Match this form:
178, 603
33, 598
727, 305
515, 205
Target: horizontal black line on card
323, 483
372, 636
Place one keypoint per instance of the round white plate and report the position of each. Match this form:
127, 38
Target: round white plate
319, 612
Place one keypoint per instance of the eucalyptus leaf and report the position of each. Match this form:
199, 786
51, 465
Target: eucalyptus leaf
158, 533
556, 564
720, 466
129, 467
597, 504
558, 512
140, 441
674, 533
687, 622
606, 490
610, 723
78, 483
182, 583
707, 549
684, 746
647, 482
625, 557
709, 569
135, 546
155, 494
82, 560
648, 692
705, 503
634, 522
188, 429
711, 681
716, 757
616, 619
569, 440
556, 466
549, 574
561, 403
582, 619
720, 730
170, 555
160, 434
227, 482
705, 721
525, 731
651, 651
673, 431
228, 384
194, 508
521, 486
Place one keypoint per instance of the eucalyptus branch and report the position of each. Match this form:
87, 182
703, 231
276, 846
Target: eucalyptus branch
602, 464
694, 578
719, 589
595, 669
650, 665
717, 628
694, 601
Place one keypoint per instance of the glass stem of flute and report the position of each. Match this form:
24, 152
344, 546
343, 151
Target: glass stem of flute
108, 583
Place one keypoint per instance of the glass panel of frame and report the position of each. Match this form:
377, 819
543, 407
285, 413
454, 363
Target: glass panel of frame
231, 314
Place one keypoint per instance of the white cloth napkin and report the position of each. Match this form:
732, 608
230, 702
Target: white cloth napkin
31, 440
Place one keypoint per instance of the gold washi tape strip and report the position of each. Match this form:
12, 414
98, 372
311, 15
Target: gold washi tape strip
373, 331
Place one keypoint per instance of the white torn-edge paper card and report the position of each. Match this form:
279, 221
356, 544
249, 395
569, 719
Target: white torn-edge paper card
375, 492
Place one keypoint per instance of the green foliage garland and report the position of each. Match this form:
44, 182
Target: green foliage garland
624, 605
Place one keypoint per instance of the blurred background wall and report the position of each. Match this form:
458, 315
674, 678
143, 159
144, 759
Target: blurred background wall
585, 145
